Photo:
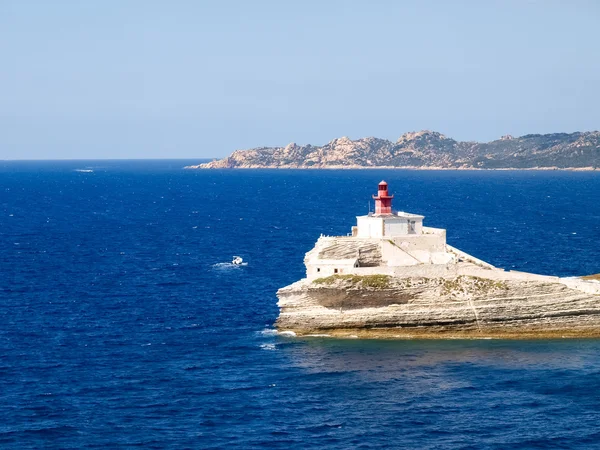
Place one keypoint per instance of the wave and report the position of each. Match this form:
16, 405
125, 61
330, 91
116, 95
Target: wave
269, 332
287, 333
268, 346
228, 265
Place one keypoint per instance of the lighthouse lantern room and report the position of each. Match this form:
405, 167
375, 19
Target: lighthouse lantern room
383, 201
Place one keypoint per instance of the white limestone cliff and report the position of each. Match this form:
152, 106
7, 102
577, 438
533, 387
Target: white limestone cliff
396, 281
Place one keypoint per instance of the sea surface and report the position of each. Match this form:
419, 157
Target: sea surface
122, 325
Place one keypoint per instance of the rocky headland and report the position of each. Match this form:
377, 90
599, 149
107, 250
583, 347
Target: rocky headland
393, 277
426, 150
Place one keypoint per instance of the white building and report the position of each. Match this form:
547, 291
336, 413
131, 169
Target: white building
384, 222
376, 226
383, 242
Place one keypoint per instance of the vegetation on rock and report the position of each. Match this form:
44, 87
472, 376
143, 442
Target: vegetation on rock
371, 281
464, 284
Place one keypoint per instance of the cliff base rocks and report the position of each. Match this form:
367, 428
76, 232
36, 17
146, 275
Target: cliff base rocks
475, 303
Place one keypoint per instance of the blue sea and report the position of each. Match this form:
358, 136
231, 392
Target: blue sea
121, 326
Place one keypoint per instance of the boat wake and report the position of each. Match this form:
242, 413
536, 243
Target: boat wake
237, 261
228, 265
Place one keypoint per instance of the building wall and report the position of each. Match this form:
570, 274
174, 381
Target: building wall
395, 256
395, 227
417, 242
419, 227
389, 226
369, 226
427, 271
319, 269
399, 252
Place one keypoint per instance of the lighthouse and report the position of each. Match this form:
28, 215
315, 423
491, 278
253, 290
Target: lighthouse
383, 201
382, 242
385, 223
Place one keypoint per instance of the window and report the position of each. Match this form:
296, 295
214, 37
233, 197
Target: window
335, 271
318, 269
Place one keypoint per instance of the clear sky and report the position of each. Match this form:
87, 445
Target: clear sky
187, 79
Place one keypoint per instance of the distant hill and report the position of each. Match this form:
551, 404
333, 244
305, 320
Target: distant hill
426, 149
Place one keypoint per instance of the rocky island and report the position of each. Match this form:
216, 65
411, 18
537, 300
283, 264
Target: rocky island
426, 150
393, 277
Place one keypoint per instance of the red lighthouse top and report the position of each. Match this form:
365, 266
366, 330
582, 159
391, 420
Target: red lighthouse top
383, 201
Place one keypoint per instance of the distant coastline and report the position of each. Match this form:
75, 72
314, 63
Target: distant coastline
463, 169
426, 150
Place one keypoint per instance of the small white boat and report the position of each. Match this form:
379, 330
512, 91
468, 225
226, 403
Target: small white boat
237, 261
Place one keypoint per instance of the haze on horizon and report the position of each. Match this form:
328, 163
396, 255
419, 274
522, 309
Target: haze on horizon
185, 79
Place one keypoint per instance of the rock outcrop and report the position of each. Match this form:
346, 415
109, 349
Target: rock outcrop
469, 302
426, 149
394, 277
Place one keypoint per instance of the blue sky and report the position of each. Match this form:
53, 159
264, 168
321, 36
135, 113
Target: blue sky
187, 79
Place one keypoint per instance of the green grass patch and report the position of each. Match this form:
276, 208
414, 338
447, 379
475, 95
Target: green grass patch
372, 281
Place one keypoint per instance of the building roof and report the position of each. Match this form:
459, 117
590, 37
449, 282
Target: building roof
409, 215
400, 214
